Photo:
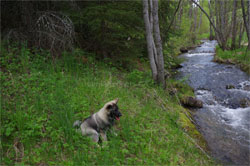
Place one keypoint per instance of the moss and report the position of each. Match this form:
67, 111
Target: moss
185, 120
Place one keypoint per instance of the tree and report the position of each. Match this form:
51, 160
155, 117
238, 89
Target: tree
246, 21
200, 17
158, 41
211, 37
219, 35
154, 43
234, 24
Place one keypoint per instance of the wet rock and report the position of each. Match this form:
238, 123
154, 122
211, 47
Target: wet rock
230, 87
246, 88
191, 102
183, 50
178, 66
244, 103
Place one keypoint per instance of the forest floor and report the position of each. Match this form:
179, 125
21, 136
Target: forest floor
42, 97
239, 57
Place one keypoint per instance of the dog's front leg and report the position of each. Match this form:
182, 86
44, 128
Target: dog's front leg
103, 135
112, 131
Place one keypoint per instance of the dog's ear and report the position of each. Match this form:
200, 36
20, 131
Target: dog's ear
116, 100
108, 107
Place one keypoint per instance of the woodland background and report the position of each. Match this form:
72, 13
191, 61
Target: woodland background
61, 61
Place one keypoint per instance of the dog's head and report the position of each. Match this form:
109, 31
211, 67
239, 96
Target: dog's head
113, 110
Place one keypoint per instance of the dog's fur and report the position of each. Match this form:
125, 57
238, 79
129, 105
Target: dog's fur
97, 124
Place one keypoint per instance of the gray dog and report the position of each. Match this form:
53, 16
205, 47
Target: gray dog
97, 124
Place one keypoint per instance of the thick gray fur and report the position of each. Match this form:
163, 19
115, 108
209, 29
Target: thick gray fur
96, 125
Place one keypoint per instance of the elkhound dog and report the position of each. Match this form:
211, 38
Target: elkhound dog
97, 124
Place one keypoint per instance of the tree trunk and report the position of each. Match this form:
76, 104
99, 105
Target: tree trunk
152, 31
234, 22
228, 27
211, 37
180, 14
220, 23
195, 19
217, 35
223, 25
241, 34
154, 42
149, 39
248, 9
246, 22
151, 15
200, 22
158, 42
190, 13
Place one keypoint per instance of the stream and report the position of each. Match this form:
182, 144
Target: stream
224, 120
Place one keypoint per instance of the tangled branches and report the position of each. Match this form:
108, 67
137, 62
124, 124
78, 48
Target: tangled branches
55, 32
49, 31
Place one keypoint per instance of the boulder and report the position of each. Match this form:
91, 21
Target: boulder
178, 66
191, 102
246, 88
244, 103
183, 50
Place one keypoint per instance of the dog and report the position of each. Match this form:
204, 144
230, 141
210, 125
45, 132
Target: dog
97, 124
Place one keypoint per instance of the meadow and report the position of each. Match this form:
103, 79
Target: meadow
42, 96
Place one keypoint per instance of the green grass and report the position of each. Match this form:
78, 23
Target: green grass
240, 57
42, 97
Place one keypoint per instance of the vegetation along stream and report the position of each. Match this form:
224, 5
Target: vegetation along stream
224, 119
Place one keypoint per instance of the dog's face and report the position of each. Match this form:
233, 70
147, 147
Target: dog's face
113, 110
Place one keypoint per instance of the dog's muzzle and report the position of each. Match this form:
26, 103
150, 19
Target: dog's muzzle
117, 117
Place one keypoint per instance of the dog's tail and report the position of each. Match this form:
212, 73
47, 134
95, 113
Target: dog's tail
77, 124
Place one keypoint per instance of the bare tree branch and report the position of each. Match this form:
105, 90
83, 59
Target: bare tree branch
206, 15
172, 21
215, 29
55, 32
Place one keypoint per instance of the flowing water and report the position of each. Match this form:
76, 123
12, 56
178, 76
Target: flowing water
224, 120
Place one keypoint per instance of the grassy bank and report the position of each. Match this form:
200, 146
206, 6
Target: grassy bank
240, 57
42, 97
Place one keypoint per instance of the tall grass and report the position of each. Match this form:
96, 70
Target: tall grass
41, 97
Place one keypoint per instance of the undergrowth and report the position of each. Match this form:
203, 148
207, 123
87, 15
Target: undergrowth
41, 97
